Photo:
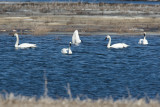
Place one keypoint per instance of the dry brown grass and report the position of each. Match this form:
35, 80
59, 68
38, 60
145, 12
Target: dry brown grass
41, 18
56, 8
10, 100
20, 101
42, 25
40, 30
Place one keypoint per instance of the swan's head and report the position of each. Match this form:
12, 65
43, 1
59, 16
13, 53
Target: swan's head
144, 33
15, 34
107, 37
76, 30
70, 43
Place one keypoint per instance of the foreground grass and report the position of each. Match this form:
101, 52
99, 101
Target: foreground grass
10, 100
21, 101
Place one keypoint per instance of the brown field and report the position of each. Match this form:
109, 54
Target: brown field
85, 24
88, 18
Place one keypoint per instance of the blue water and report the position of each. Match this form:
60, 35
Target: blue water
91, 1
93, 71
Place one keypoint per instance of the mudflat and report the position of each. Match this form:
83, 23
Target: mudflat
88, 18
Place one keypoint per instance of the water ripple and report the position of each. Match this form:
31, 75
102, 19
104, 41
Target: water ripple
92, 70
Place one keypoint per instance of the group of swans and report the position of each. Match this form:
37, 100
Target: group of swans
76, 40
123, 45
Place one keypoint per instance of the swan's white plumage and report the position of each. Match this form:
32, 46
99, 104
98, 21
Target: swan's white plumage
117, 45
144, 40
27, 45
67, 50
23, 45
76, 38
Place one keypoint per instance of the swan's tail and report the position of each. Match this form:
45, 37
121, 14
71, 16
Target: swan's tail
125, 45
34, 45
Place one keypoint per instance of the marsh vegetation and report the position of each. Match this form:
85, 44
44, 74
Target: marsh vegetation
41, 18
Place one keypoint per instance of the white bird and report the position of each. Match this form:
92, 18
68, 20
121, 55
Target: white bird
144, 40
117, 45
67, 50
75, 38
23, 45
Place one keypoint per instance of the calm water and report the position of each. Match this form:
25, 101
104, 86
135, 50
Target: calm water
92, 70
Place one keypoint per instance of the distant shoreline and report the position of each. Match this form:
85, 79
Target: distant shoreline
88, 18
146, 2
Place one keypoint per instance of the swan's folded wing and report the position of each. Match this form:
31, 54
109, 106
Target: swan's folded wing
27, 45
64, 50
140, 41
69, 51
145, 42
74, 38
125, 45
119, 45
78, 38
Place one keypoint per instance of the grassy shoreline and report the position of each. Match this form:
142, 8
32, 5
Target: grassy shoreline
88, 18
21, 101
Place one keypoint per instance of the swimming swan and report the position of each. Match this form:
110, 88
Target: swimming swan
75, 38
23, 45
117, 45
67, 50
144, 40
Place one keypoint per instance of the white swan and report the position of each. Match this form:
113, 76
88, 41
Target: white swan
67, 50
23, 45
144, 40
75, 38
117, 45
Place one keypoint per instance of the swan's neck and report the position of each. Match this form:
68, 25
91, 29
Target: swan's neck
17, 42
109, 43
144, 36
69, 46
69, 49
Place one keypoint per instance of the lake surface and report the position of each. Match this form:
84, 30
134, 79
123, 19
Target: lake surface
93, 71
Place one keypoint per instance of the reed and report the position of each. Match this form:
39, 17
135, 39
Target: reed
10, 100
